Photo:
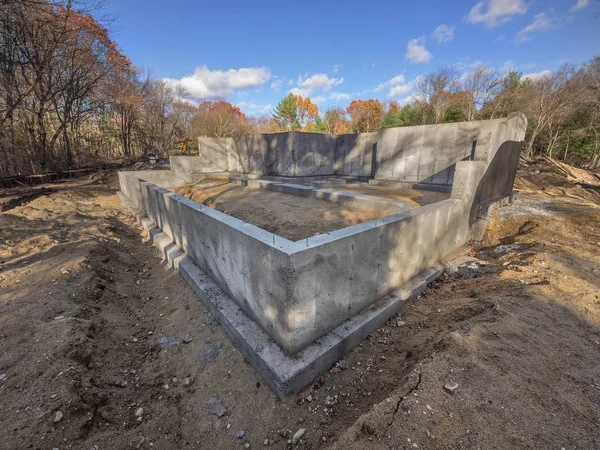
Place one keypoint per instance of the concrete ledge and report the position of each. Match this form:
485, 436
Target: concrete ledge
251, 182
446, 188
286, 375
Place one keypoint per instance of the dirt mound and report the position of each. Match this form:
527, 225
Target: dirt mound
555, 178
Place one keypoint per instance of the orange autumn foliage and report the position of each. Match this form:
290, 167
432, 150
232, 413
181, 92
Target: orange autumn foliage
366, 115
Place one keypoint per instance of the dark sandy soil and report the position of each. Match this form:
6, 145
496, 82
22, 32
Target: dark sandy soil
93, 331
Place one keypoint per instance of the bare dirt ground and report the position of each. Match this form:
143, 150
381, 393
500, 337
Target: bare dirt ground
290, 216
103, 347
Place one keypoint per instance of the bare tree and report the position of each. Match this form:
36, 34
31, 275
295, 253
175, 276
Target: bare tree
435, 89
480, 85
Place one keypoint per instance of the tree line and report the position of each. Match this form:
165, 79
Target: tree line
69, 97
562, 108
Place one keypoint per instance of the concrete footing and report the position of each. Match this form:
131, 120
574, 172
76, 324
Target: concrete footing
285, 375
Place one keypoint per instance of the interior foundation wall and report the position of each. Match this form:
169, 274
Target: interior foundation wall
424, 154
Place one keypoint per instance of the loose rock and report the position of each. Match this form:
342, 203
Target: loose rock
215, 406
298, 435
451, 387
58, 416
167, 341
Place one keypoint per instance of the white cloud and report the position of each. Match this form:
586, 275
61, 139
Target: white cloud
396, 85
206, 83
541, 22
536, 75
400, 89
336, 68
443, 33
339, 96
276, 85
581, 4
318, 82
496, 12
527, 66
406, 100
254, 107
398, 79
300, 92
318, 100
416, 51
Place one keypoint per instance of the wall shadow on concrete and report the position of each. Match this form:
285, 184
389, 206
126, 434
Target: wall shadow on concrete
497, 181
427, 153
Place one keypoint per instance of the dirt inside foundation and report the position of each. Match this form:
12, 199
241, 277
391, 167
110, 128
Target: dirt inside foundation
290, 216
416, 197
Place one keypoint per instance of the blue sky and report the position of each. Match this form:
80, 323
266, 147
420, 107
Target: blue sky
253, 53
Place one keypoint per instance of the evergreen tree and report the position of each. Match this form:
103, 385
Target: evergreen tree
286, 113
391, 119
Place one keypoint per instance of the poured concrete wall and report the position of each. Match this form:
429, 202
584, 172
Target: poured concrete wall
131, 187
424, 154
354, 154
428, 153
248, 263
298, 291
291, 154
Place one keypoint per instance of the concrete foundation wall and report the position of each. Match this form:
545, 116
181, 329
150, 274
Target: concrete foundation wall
131, 187
424, 154
354, 154
428, 153
248, 263
298, 291
290, 154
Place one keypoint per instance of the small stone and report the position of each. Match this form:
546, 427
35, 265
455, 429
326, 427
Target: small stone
58, 416
188, 381
139, 412
240, 434
298, 435
247, 445
342, 364
309, 398
401, 323
266, 442
451, 387
135, 339
167, 341
187, 339
59, 317
215, 406
3, 377
505, 263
